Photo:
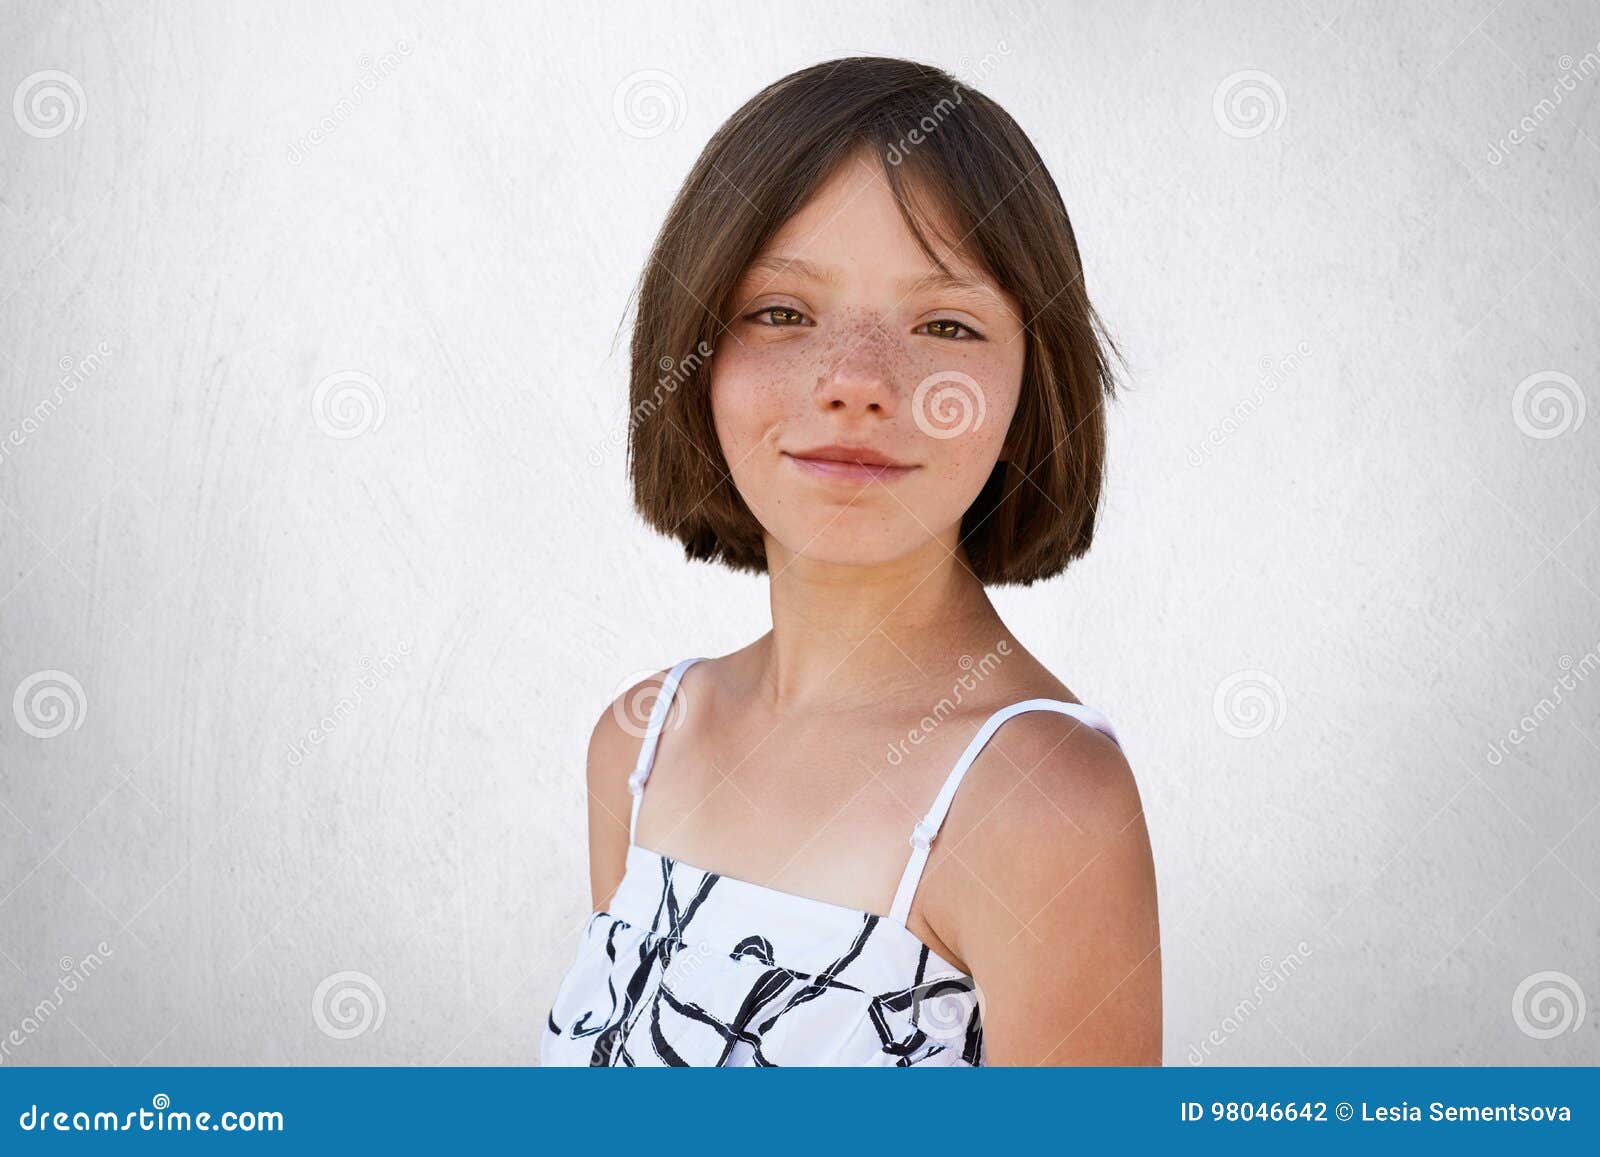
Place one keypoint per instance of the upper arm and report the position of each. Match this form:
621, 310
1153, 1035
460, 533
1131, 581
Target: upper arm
1067, 956
613, 750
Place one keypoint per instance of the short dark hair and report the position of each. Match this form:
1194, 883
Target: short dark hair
933, 135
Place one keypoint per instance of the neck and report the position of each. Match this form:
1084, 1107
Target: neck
857, 634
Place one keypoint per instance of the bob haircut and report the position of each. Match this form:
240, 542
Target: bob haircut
974, 167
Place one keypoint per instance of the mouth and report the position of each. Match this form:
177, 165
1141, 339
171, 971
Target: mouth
857, 465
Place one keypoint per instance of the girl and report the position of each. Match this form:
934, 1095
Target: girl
883, 833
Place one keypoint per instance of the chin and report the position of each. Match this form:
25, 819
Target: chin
858, 550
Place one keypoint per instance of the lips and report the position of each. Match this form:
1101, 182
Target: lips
838, 452
857, 465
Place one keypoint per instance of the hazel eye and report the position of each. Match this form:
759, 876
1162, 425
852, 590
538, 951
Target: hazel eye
951, 330
793, 316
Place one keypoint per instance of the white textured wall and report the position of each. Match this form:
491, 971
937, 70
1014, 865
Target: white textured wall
1324, 477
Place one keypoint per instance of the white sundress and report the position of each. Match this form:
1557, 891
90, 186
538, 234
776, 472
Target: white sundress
687, 967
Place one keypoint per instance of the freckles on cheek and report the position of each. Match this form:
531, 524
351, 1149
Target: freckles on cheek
919, 365
762, 385
783, 369
957, 463
747, 408
961, 389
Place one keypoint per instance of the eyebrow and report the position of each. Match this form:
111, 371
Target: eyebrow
935, 279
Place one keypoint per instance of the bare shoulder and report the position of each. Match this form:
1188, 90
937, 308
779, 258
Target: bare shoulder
618, 733
1053, 876
614, 745
1048, 798
1077, 771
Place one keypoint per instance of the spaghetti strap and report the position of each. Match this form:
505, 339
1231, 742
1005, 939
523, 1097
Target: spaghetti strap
652, 737
927, 828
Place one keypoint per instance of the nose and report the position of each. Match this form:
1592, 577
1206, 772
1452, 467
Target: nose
859, 378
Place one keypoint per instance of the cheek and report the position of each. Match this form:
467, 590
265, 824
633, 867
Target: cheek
964, 415
752, 389
753, 401
735, 402
960, 467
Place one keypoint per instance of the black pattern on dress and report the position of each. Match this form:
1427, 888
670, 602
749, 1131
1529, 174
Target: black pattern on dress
685, 984
743, 974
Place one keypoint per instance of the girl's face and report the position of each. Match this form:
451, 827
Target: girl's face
861, 399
